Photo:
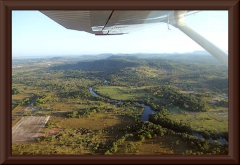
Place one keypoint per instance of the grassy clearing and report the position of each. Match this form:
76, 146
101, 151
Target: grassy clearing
213, 120
64, 105
168, 144
115, 92
18, 109
26, 91
95, 121
123, 93
149, 72
176, 110
20, 96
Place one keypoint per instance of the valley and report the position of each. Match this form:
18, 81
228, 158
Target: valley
95, 105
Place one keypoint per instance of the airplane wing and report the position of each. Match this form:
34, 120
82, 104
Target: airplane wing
116, 22
108, 22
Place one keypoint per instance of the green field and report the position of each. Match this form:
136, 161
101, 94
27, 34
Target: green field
120, 93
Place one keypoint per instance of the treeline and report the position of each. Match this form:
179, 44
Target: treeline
82, 94
145, 130
163, 118
82, 113
222, 103
168, 96
15, 91
87, 111
42, 99
203, 146
141, 130
160, 125
218, 84
25, 101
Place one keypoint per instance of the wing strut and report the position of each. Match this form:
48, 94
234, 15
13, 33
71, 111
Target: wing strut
179, 23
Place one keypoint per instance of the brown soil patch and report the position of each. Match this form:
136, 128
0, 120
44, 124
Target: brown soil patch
54, 131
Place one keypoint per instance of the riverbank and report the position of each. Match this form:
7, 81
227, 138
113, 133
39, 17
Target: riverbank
148, 111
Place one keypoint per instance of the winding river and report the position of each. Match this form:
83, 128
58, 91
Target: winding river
147, 111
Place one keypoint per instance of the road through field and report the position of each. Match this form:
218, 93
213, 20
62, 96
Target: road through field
20, 113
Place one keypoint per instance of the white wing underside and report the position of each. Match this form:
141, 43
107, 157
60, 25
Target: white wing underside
108, 21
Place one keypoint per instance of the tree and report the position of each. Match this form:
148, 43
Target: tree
15, 91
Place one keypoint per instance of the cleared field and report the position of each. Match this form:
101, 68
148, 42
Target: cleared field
98, 121
20, 97
213, 120
28, 128
119, 93
122, 93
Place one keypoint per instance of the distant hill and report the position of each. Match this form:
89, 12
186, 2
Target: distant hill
195, 59
132, 57
109, 63
199, 52
106, 65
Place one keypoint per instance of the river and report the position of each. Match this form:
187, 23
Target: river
147, 111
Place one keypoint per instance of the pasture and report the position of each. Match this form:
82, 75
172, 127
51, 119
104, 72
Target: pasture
215, 120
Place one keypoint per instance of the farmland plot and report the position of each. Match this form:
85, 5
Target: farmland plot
29, 128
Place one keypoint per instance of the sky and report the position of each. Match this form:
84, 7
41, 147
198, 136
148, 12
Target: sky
34, 34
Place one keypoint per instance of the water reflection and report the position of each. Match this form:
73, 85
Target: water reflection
147, 111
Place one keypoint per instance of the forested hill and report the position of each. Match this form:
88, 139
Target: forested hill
167, 63
105, 65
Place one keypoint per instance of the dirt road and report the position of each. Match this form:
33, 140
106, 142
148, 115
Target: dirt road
20, 113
